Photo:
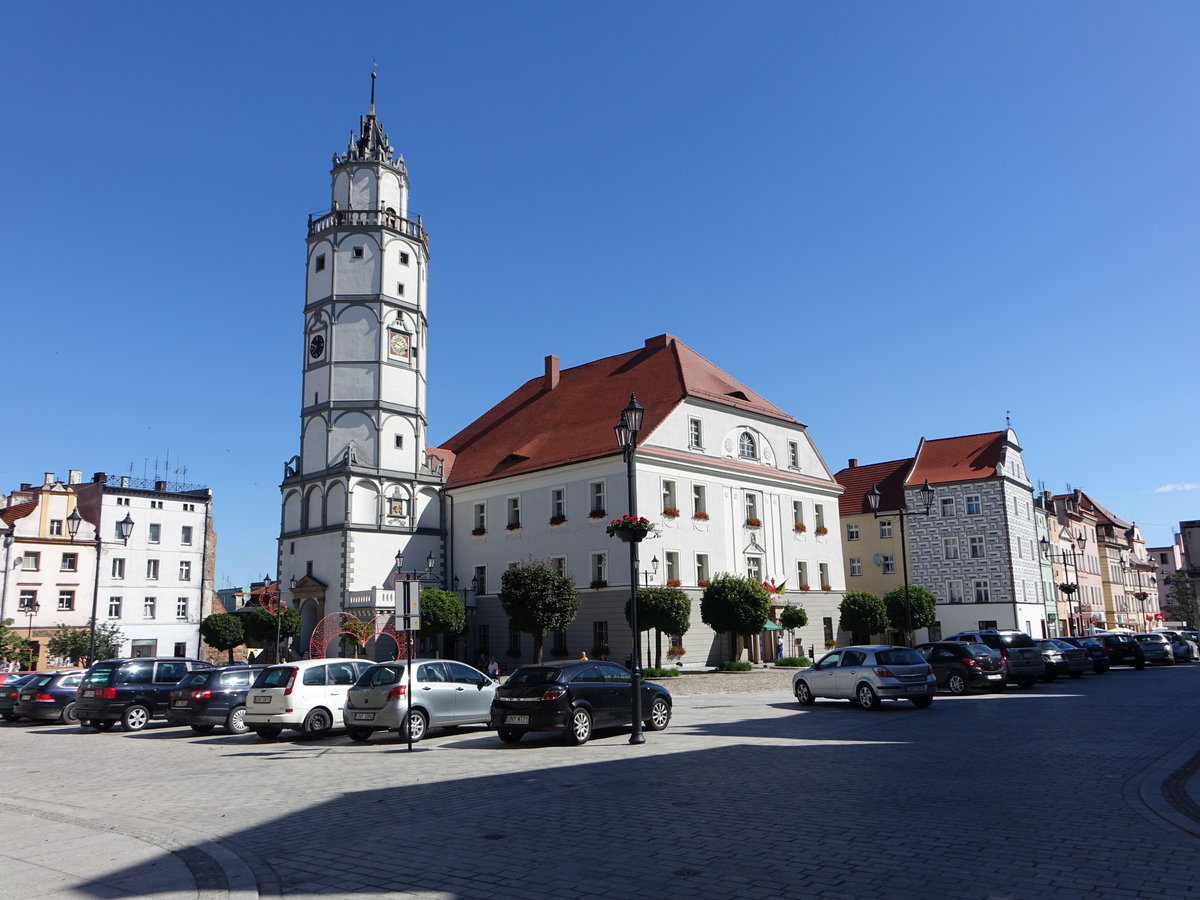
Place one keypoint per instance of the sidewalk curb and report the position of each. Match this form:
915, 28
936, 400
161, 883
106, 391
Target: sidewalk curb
1160, 791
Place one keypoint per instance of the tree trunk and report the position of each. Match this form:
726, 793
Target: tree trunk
657, 649
538, 640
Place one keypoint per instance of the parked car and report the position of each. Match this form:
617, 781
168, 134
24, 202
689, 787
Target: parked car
1063, 658
207, 698
1022, 657
1182, 646
10, 692
959, 665
1122, 650
445, 693
306, 696
574, 698
1094, 649
130, 691
1156, 648
50, 697
866, 675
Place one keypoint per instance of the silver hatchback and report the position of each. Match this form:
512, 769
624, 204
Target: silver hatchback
445, 693
867, 675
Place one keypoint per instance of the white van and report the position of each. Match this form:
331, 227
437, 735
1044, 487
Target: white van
307, 695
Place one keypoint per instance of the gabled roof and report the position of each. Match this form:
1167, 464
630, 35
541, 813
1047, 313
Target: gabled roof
568, 416
1103, 516
19, 511
971, 457
858, 480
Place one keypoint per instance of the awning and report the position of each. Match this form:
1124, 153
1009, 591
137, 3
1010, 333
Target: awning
771, 626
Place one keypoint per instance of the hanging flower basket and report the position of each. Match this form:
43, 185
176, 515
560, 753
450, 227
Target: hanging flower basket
632, 529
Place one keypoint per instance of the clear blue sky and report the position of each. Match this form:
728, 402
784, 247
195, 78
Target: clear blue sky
891, 219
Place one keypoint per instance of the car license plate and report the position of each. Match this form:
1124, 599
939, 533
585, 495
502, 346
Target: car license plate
917, 689
27, 696
262, 699
364, 717
89, 693
179, 703
993, 678
516, 720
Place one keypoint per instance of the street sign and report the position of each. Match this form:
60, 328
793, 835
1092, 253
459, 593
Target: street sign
409, 623
408, 600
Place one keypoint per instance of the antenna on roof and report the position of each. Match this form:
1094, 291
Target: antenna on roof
1008, 418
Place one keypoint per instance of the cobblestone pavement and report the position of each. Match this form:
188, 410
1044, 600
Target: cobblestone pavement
1070, 790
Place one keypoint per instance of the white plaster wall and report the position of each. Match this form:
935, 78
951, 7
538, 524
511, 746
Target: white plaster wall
314, 502
357, 427
364, 503
335, 504
355, 382
292, 504
356, 276
313, 445
357, 335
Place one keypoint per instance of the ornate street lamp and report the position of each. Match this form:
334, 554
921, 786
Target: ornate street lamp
873, 498
125, 529
626, 431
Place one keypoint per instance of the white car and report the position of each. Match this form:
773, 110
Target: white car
445, 694
306, 696
1184, 648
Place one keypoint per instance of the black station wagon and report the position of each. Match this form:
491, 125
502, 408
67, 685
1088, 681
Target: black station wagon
130, 691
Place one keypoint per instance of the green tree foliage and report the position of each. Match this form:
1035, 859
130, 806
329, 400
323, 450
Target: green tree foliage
1180, 603
441, 613
359, 631
12, 645
793, 617
924, 608
537, 599
667, 610
259, 625
108, 640
736, 606
862, 614
224, 631
69, 643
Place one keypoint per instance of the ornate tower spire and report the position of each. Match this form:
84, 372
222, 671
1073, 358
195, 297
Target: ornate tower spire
372, 143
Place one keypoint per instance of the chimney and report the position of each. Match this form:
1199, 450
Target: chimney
551, 381
74, 476
853, 463
100, 478
49, 478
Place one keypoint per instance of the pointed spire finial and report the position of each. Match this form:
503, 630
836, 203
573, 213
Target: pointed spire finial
374, 66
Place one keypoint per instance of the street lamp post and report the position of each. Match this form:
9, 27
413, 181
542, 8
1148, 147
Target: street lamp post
646, 576
125, 526
407, 578
873, 498
1071, 561
626, 431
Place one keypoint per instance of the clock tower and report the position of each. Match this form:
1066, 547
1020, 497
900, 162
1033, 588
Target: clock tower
362, 486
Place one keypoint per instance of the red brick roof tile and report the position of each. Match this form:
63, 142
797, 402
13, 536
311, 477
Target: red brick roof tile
18, 511
858, 481
970, 457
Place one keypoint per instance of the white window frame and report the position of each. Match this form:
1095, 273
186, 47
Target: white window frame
949, 507
598, 499
852, 531
950, 547
31, 561
699, 499
70, 562
118, 567
480, 517
976, 501
513, 507
149, 607
794, 454
982, 591
671, 565
114, 607
855, 565
701, 567
185, 570
754, 567
153, 533
751, 499
747, 446
976, 547
823, 572
599, 568
889, 563
695, 433
185, 535
669, 498
885, 528
152, 569
954, 589
558, 503
66, 601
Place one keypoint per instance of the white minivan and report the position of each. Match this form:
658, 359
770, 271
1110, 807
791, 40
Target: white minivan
307, 695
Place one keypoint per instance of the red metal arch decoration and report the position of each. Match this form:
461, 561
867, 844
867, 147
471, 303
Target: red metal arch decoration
330, 627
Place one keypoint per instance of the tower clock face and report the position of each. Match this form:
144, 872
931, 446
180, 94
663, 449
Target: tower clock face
398, 344
316, 346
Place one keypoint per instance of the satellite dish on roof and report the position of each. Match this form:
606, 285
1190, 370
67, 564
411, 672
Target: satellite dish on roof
877, 559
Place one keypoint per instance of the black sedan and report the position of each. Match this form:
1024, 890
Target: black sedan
959, 665
573, 698
1063, 658
206, 698
1095, 651
50, 697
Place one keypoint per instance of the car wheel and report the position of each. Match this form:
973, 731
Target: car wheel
203, 729
660, 715
416, 726
956, 683
804, 694
509, 736
317, 722
1027, 682
102, 726
358, 734
68, 715
922, 702
866, 697
267, 732
579, 727
135, 718
235, 722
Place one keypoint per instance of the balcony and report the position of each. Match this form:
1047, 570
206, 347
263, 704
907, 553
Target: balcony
367, 218
375, 598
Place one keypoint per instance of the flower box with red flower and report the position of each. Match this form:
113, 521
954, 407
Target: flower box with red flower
478, 531
800, 528
512, 526
703, 582
752, 522
826, 587
821, 529
673, 582
670, 512
598, 584
700, 515
804, 587
557, 520
597, 514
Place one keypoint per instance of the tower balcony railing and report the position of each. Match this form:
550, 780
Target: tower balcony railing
367, 218
375, 598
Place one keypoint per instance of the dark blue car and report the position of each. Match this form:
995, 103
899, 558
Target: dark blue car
50, 697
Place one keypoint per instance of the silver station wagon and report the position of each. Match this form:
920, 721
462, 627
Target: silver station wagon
867, 675
445, 693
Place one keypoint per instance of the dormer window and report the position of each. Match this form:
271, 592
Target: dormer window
747, 446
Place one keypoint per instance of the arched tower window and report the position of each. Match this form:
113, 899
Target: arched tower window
747, 447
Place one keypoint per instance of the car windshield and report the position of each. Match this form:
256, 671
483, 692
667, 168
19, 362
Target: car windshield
275, 676
533, 675
195, 679
377, 676
899, 656
98, 676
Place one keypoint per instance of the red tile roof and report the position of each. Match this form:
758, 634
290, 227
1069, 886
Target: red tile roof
568, 416
17, 511
858, 480
971, 457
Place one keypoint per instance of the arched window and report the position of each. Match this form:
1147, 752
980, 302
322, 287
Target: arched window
747, 448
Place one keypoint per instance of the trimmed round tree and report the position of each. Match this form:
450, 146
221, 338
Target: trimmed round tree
442, 612
862, 614
923, 606
536, 600
735, 606
259, 625
665, 609
223, 631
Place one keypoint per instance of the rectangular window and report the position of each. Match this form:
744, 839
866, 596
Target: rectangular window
56, 527
400, 288
827, 623
797, 514
514, 642
558, 504
823, 568
754, 568
156, 504
114, 607
189, 507
118, 567
181, 609
976, 547
885, 528
852, 531
701, 568
357, 252
479, 580
70, 562
699, 501
947, 507
319, 264
600, 639
403, 258
597, 491
155, 532
180, 648
152, 568
793, 454
950, 548
514, 513
954, 591
889, 564
600, 569
819, 517
802, 575
668, 496
31, 561
856, 565
695, 434
66, 601
479, 518
752, 507
974, 505
559, 565
185, 535
981, 591
27, 600
148, 606
671, 557
185, 570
